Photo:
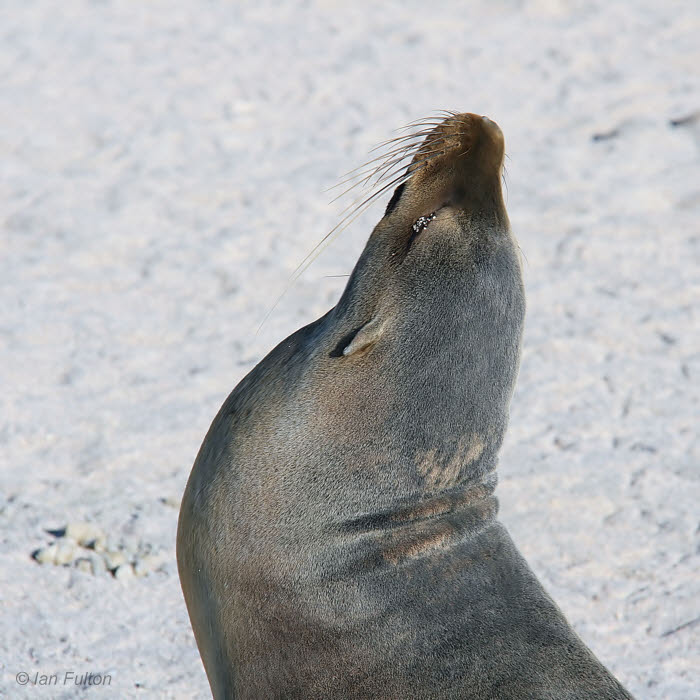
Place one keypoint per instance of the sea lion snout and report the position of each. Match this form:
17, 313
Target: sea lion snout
459, 142
474, 151
456, 170
494, 143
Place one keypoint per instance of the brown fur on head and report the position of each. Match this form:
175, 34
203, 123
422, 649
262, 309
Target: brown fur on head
459, 163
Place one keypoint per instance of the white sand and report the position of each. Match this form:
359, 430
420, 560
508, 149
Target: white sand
162, 173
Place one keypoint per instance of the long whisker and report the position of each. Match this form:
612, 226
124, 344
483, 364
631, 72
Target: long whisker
364, 182
420, 122
364, 177
324, 243
422, 152
406, 137
410, 149
400, 165
421, 145
403, 153
380, 173
405, 147
406, 174
364, 204
337, 230
354, 204
435, 117
355, 207
411, 136
351, 216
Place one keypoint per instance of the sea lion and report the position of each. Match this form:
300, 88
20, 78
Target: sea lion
338, 534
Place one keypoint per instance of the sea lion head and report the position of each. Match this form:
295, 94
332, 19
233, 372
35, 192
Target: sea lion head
401, 391
429, 327
448, 208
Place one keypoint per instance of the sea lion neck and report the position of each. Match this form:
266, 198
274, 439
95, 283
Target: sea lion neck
421, 525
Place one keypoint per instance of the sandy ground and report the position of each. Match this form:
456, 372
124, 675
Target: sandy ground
163, 167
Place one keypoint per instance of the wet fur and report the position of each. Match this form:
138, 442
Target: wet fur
338, 534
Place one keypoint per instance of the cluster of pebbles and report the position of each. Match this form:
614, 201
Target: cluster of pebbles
86, 547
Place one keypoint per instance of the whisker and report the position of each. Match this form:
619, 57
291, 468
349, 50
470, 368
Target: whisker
464, 153
372, 171
382, 172
405, 147
359, 199
406, 137
400, 164
357, 209
413, 136
422, 122
429, 118
421, 163
421, 145
351, 216
337, 230
364, 182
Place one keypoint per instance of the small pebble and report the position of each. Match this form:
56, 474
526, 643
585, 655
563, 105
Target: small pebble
65, 552
114, 559
46, 555
147, 564
124, 572
84, 533
83, 564
98, 564
108, 544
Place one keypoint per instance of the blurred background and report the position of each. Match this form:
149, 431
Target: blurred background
164, 168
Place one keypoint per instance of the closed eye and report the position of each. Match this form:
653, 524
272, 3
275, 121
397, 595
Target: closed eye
420, 225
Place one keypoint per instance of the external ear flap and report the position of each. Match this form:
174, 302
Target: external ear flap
366, 336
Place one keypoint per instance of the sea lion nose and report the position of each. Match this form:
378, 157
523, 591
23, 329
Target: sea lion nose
492, 129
